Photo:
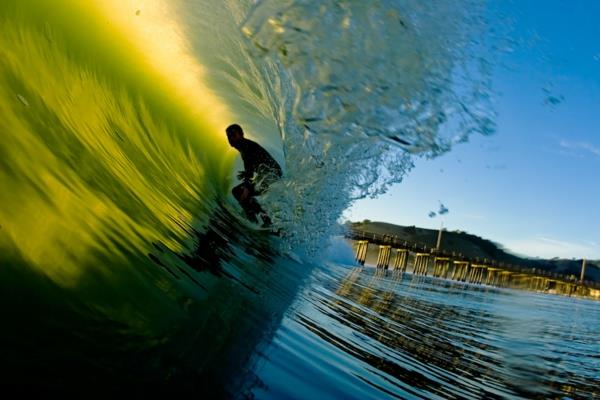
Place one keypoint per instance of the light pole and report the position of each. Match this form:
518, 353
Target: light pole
582, 270
439, 238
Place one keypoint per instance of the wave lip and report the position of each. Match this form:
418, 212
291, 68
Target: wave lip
362, 89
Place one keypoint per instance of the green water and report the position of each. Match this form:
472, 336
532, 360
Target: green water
96, 149
111, 178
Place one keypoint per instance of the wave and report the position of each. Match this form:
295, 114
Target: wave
121, 246
367, 87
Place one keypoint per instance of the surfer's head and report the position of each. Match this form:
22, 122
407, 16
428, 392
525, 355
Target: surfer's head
234, 134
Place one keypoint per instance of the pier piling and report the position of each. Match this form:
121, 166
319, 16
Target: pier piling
401, 259
383, 260
421, 264
361, 251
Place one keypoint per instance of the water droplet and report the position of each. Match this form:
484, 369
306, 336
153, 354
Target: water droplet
346, 22
443, 209
23, 100
554, 100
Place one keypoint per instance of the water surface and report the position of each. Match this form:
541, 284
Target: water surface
368, 334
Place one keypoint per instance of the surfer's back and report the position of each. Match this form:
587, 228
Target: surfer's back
257, 159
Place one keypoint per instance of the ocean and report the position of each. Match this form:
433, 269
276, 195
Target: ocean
367, 333
127, 267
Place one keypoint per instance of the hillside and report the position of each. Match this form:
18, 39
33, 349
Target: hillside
473, 246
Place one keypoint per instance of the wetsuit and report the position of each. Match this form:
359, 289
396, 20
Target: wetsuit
257, 161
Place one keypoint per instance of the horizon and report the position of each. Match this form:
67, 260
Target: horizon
530, 184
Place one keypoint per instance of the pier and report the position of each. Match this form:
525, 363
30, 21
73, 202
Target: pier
424, 261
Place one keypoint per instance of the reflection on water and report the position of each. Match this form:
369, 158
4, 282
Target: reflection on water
383, 334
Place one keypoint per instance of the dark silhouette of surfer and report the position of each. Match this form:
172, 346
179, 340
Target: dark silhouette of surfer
260, 171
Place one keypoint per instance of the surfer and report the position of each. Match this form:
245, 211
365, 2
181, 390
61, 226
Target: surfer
260, 171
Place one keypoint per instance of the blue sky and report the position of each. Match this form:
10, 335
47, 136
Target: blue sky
534, 185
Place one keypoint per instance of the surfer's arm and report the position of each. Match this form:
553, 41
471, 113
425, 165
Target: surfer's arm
248, 172
243, 175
